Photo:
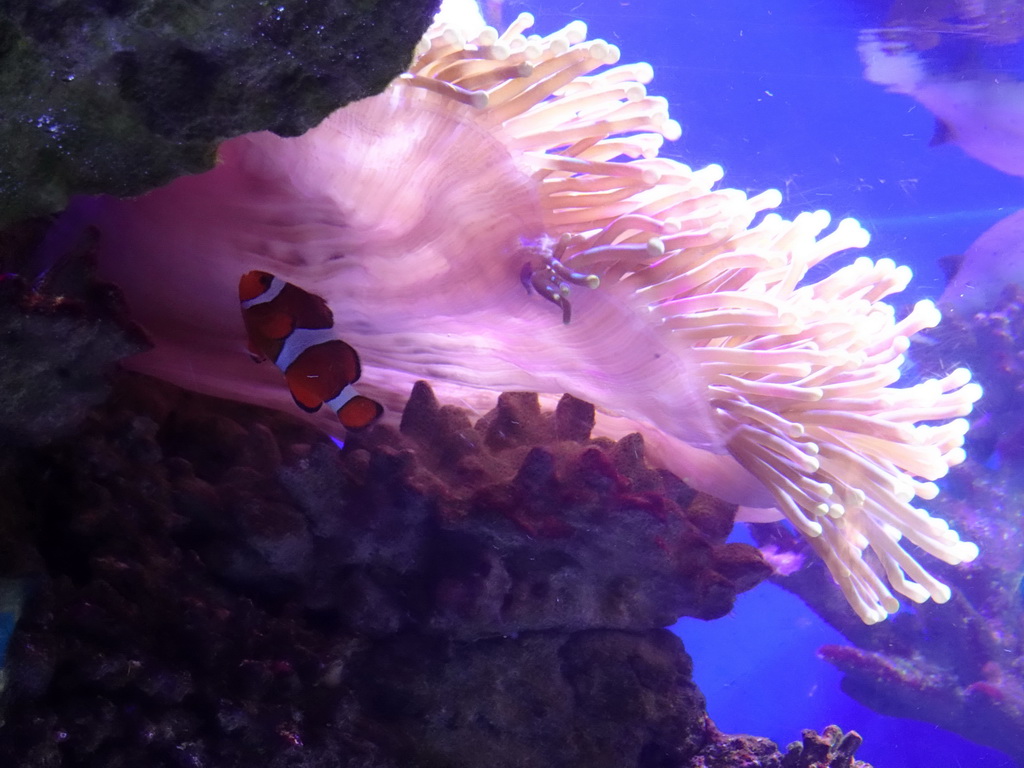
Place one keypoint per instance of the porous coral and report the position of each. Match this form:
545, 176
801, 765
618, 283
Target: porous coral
509, 158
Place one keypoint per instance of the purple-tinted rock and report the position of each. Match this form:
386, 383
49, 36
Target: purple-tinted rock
441, 593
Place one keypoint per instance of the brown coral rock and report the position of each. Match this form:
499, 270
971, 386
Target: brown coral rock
519, 522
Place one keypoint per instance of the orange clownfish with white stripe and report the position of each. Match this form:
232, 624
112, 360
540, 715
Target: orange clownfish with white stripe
295, 329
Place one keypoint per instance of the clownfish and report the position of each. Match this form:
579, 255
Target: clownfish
295, 329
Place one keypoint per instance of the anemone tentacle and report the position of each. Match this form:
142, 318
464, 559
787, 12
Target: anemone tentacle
504, 159
801, 374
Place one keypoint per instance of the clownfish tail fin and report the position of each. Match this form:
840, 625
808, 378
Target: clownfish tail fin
359, 412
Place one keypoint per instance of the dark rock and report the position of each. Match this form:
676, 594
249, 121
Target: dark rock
58, 340
218, 585
122, 96
602, 699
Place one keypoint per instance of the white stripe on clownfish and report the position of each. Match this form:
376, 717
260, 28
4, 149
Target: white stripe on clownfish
298, 341
295, 328
276, 286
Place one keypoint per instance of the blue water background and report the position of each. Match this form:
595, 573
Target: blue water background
773, 92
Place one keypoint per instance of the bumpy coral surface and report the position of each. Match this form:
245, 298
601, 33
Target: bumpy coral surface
216, 586
830, 749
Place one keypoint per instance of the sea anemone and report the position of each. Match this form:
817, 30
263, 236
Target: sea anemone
500, 218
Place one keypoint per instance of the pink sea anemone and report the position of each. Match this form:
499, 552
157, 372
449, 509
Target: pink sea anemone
503, 159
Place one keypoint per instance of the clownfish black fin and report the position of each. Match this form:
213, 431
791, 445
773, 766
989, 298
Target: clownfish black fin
305, 406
